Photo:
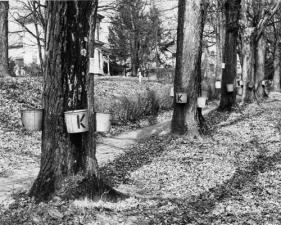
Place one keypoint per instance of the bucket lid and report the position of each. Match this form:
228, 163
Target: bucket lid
76, 111
31, 110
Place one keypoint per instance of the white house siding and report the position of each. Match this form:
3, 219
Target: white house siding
22, 45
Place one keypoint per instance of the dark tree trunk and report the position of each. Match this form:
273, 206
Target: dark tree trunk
232, 9
65, 88
187, 117
134, 56
4, 8
220, 38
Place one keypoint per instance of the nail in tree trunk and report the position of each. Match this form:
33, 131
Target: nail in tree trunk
187, 117
232, 11
4, 8
68, 86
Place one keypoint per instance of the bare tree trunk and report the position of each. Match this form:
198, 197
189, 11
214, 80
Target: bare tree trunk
4, 69
247, 64
187, 117
259, 66
220, 38
276, 63
63, 154
232, 9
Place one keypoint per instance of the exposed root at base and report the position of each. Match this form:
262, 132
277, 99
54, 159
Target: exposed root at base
79, 187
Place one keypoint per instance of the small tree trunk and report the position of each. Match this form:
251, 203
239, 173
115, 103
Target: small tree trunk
220, 38
247, 64
232, 9
4, 8
259, 66
276, 64
187, 117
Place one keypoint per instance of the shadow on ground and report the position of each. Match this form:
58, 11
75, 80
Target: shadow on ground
117, 171
198, 209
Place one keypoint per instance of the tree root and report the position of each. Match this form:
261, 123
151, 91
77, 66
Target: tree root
80, 187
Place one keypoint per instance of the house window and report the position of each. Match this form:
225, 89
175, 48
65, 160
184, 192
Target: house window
212, 53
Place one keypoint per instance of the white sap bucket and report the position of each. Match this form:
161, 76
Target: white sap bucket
103, 122
240, 91
223, 65
201, 102
172, 92
181, 97
263, 83
76, 121
32, 119
229, 87
218, 85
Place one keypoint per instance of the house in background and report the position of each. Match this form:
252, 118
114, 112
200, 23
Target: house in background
101, 53
23, 47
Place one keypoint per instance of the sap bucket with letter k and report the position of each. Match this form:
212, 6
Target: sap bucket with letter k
76, 121
181, 97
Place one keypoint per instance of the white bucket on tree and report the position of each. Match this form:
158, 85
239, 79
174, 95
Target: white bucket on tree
201, 102
32, 119
172, 92
229, 88
218, 84
240, 91
181, 97
223, 65
76, 121
103, 122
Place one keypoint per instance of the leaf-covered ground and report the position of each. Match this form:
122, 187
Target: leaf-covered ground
20, 148
231, 176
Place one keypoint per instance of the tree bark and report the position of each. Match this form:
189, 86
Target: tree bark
247, 65
220, 38
232, 9
277, 58
4, 68
65, 155
276, 64
187, 117
259, 67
